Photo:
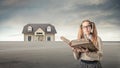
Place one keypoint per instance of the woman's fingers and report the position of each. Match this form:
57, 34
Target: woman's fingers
79, 50
70, 43
73, 49
85, 50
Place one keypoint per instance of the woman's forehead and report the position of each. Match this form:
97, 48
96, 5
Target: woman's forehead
85, 23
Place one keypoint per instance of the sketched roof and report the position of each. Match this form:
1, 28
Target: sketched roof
36, 26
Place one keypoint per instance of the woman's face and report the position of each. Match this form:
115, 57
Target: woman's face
86, 28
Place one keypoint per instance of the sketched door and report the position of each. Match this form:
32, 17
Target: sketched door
40, 38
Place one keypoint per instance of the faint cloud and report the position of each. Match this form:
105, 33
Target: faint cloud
65, 15
97, 2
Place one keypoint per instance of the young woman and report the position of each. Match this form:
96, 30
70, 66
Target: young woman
89, 59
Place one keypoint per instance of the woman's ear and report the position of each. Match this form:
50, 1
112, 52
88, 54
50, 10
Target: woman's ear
92, 27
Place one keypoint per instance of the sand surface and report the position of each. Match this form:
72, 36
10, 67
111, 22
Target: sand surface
50, 55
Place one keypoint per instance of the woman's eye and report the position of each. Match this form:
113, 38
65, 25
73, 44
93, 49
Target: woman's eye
86, 26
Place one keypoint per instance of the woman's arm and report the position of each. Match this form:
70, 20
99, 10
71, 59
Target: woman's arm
99, 53
76, 53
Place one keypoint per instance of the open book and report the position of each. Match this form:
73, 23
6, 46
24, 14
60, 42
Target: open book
85, 44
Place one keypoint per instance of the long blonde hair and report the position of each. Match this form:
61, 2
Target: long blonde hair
93, 32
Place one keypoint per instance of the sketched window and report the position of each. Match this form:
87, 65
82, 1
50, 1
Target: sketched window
48, 29
48, 38
29, 38
29, 29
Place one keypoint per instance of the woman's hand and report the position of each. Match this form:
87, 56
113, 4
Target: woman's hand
85, 50
79, 50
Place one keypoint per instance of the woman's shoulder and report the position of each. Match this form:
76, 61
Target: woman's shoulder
99, 39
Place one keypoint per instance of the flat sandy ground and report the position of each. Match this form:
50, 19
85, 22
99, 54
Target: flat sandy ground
50, 55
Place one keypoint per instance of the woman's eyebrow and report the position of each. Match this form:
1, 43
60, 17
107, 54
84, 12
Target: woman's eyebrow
87, 25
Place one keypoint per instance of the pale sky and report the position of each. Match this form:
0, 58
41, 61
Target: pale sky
65, 15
